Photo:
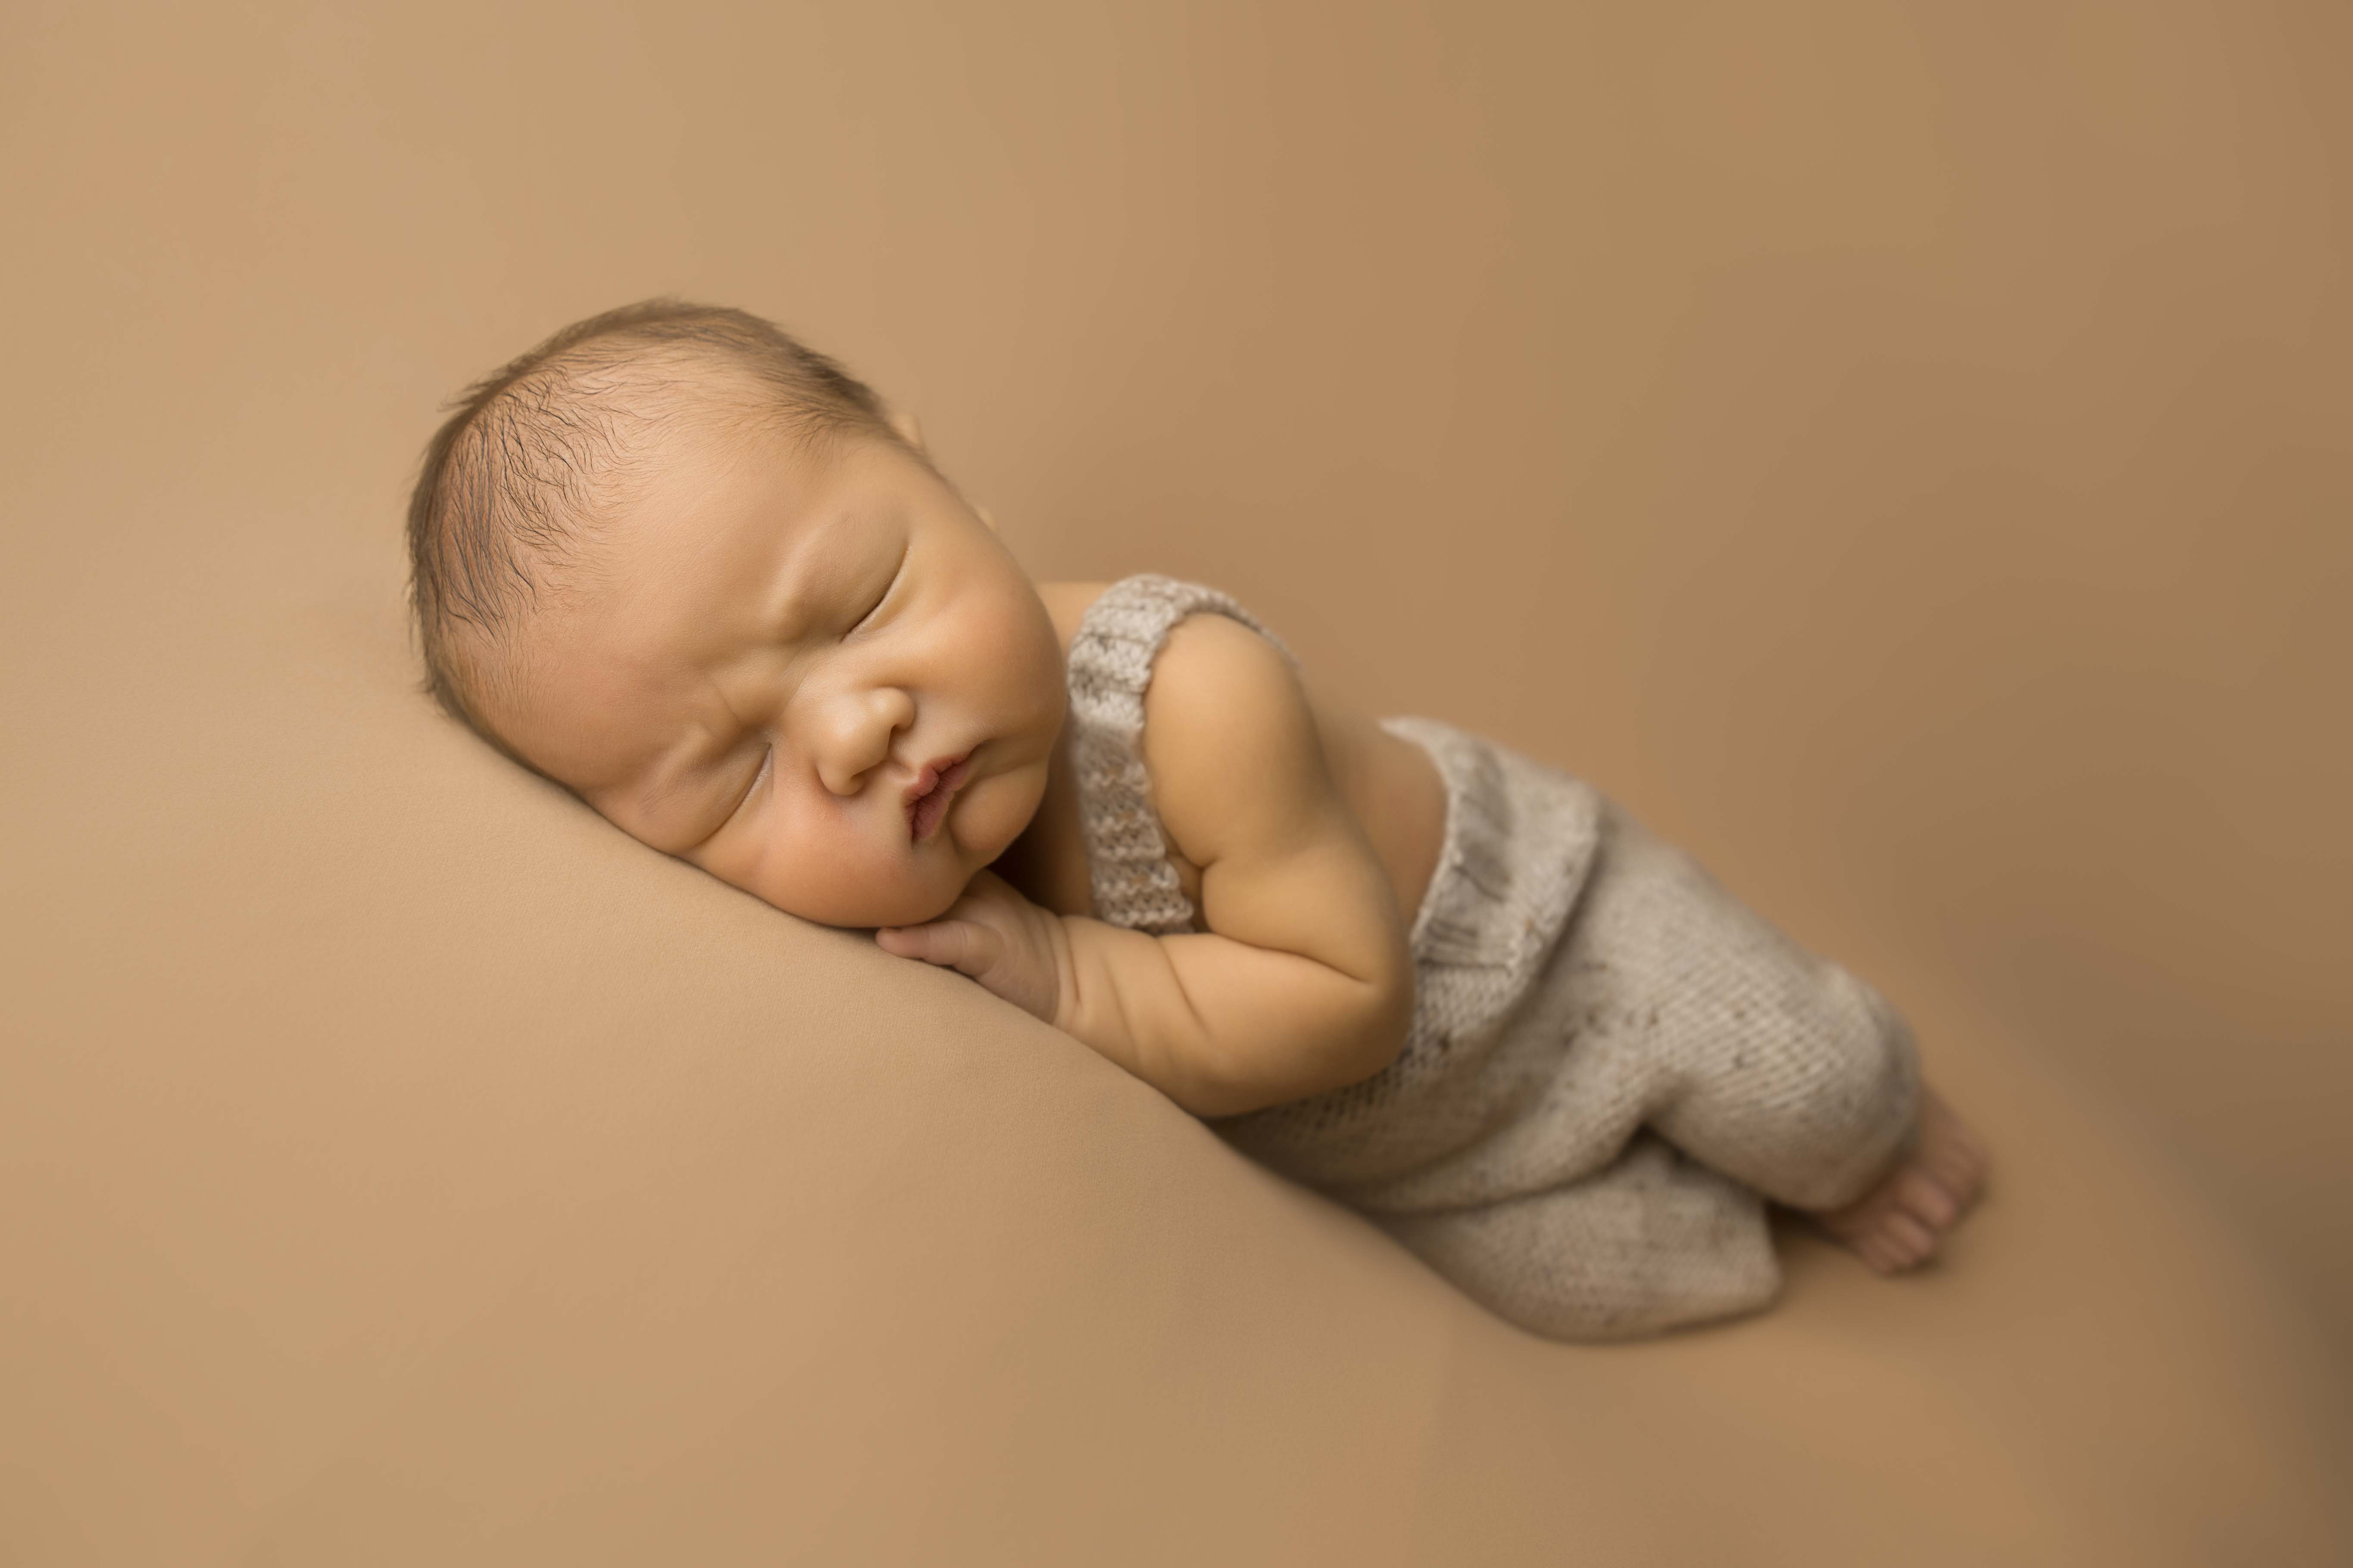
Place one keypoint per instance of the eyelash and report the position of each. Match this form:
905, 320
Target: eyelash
898, 572
767, 761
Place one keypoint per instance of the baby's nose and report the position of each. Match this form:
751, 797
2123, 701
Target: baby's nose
860, 728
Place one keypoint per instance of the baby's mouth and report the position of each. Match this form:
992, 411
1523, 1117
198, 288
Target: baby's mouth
933, 791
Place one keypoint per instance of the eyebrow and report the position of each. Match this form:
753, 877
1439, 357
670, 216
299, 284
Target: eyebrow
791, 599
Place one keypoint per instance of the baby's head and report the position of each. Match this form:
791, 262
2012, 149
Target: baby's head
704, 579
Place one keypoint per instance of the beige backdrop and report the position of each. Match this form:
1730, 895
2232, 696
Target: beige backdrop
1900, 450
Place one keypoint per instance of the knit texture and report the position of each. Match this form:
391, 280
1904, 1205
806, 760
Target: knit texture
1612, 1063
1110, 668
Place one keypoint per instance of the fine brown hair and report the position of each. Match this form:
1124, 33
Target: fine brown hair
514, 475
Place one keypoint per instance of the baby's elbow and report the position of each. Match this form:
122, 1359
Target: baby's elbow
1381, 1027
1366, 1031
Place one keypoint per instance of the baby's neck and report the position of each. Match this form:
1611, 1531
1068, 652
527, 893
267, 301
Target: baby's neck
1067, 604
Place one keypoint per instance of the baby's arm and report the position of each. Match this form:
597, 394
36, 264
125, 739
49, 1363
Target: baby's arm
1302, 983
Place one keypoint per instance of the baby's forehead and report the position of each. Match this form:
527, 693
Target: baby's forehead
727, 533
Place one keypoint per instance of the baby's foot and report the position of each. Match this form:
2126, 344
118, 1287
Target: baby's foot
1900, 1222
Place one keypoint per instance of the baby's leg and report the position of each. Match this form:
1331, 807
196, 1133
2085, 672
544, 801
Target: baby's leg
1774, 1067
1654, 1241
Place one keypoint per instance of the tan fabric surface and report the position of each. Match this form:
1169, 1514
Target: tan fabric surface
1923, 435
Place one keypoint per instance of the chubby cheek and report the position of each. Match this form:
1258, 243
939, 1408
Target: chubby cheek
1021, 659
992, 813
823, 868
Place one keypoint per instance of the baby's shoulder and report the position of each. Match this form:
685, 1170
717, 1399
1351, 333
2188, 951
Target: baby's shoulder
1216, 672
1230, 737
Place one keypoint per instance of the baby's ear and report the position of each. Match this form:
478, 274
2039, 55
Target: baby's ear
910, 428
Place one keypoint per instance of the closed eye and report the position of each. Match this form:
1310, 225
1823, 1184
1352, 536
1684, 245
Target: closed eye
735, 808
899, 571
767, 762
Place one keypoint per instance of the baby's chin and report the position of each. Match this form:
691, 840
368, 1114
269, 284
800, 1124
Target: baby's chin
870, 907
909, 912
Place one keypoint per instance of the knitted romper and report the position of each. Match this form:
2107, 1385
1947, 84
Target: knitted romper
1612, 1063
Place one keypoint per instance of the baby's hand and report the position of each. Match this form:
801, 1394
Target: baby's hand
1016, 949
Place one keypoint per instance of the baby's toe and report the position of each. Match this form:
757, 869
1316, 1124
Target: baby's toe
1911, 1241
1960, 1172
1929, 1201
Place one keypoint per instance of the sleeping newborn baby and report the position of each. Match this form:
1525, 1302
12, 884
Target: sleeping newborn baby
700, 577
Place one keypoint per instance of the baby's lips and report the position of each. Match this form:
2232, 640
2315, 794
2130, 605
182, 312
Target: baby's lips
929, 796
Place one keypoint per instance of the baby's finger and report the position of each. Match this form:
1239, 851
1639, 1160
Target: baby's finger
906, 942
959, 946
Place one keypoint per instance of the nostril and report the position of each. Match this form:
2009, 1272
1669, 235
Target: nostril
858, 728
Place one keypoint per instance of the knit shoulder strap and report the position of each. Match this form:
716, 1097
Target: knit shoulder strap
1121, 635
